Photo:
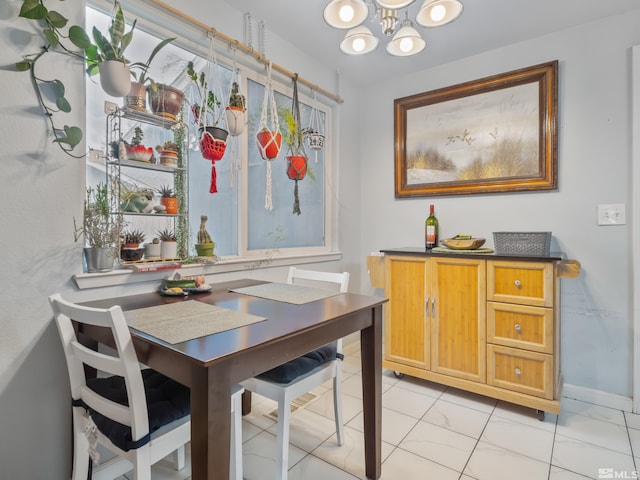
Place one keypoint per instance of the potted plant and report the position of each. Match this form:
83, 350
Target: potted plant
168, 199
136, 200
152, 249
236, 111
297, 157
137, 96
135, 150
130, 250
205, 245
297, 160
166, 101
168, 243
168, 154
100, 230
206, 109
107, 58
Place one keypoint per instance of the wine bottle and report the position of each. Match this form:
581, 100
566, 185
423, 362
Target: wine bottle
431, 230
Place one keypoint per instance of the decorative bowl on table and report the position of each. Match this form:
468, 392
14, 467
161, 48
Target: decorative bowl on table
463, 243
179, 282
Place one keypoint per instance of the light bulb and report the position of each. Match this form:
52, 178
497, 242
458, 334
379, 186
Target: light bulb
438, 13
346, 13
358, 45
406, 44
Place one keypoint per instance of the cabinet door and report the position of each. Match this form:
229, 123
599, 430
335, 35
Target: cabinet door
458, 327
406, 332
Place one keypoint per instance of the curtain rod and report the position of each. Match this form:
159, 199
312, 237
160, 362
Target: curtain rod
246, 49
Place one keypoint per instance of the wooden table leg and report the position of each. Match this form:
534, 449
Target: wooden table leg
371, 357
210, 424
246, 402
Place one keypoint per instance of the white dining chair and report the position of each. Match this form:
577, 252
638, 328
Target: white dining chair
139, 414
297, 377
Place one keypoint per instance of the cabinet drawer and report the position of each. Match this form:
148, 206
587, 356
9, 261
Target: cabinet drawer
520, 326
525, 283
520, 371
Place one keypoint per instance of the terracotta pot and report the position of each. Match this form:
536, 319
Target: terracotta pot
168, 158
166, 101
236, 120
171, 204
136, 99
269, 144
115, 78
296, 167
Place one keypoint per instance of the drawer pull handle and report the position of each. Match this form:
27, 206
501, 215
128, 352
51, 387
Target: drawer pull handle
518, 371
517, 327
426, 306
518, 283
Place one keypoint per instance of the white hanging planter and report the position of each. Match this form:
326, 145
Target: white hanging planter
236, 121
115, 78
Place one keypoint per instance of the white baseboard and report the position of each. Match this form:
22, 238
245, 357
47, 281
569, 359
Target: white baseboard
598, 397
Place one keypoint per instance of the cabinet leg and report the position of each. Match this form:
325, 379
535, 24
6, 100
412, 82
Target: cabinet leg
398, 374
540, 415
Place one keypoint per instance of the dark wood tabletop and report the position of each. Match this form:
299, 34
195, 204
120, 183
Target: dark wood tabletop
211, 365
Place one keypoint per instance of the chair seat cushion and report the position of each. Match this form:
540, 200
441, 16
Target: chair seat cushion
287, 372
167, 401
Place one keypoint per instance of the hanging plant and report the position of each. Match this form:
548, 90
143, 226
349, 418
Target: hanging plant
297, 159
314, 133
74, 42
207, 113
268, 137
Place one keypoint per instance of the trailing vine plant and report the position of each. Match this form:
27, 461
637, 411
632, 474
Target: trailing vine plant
75, 43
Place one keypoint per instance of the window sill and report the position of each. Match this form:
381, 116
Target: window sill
124, 276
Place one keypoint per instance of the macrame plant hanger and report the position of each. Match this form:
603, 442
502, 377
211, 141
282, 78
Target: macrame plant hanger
236, 117
297, 159
314, 133
268, 136
212, 146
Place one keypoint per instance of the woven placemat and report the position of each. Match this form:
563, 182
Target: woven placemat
285, 292
182, 321
451, 250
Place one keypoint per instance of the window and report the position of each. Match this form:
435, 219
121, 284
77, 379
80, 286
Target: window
238, 221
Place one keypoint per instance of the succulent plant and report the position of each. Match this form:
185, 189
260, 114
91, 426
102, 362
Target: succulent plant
166, 191
133, 236
137, 137
203, 235
167, 235
236, 99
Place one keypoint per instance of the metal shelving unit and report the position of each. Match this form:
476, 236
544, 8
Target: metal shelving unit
120, 171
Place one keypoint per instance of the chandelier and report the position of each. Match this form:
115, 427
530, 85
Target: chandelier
405, 41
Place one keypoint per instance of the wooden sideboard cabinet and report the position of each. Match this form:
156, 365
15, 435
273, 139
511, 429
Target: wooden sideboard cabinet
484, 323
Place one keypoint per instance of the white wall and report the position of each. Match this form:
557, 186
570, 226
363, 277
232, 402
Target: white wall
41, 191
594, 165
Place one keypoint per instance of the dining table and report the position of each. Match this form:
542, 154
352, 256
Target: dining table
256, 333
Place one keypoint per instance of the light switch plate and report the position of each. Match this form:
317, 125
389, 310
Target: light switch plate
611, 214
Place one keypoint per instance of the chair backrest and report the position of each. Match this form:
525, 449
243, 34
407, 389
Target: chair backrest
341, 279
124, 363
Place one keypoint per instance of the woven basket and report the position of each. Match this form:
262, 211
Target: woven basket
522, 243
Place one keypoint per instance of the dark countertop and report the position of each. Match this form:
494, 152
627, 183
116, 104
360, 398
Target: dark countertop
553, 256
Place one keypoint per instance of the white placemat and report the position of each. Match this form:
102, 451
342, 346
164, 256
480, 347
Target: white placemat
182, 321
285, 292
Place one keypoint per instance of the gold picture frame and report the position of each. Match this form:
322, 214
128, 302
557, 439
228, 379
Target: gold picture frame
493, 135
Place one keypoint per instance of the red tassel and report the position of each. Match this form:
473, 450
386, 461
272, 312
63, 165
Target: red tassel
213, 188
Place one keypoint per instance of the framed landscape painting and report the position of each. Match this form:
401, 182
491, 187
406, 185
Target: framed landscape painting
496, 134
